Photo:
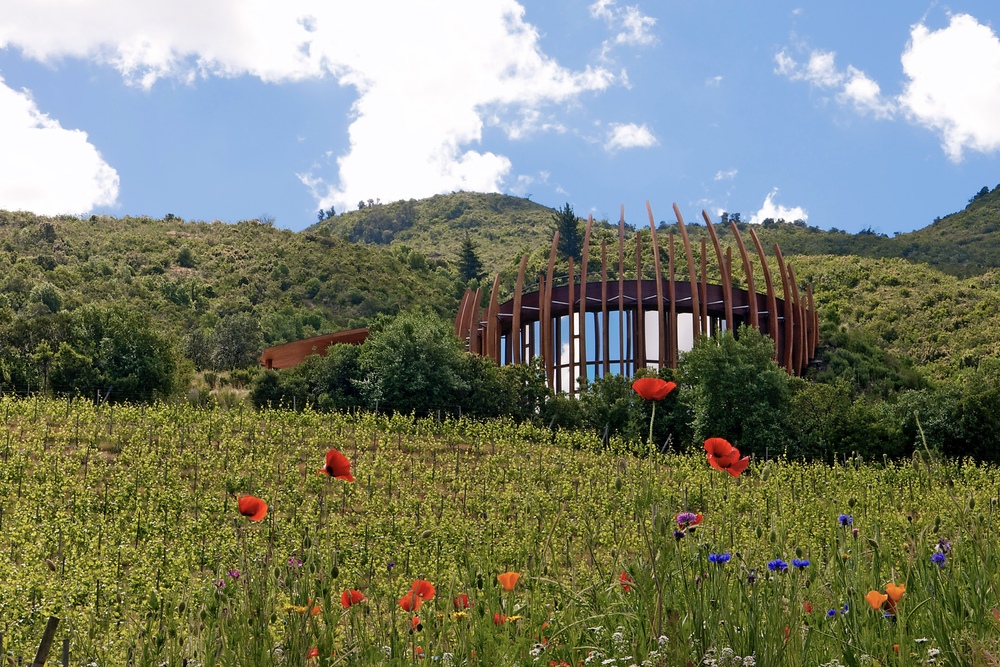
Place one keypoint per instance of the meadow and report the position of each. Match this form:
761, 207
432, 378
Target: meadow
124, 521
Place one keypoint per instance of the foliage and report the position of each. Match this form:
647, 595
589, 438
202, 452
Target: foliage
469, 265
570, 239
122, 521
736, 391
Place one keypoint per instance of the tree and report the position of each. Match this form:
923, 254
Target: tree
736, 391
469, 265
570, 241
237, 342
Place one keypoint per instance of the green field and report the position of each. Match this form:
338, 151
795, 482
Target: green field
122, 521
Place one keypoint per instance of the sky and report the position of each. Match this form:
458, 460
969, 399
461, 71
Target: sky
851, 115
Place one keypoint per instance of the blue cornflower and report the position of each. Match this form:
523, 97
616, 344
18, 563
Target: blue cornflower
831, 613
678, 534
719, 558
938, 558
845, 520
777, 565
846, 609
800, 563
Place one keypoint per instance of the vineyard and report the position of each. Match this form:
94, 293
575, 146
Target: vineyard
473, 543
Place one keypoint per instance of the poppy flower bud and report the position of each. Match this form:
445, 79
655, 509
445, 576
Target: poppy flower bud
759, 531
772, 537
851, 502
798, 552
425, 535
972, 503
334, 572
618, 484
306, 543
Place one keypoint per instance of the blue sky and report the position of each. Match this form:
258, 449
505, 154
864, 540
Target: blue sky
849, 115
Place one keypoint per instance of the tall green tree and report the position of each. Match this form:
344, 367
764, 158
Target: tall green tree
570, 239
469, 265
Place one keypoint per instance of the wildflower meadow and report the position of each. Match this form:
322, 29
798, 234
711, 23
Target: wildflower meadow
171, 535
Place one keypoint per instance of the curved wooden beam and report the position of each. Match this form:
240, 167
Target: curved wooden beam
515, 331
772, 301
695, 322
788, 310
572, 329
492, 344
814, 319
748, 270
583, 297
727, 284
800, 328
472, 321
661, 329
705, 326
640, 316
621, 292
549, 354
460, 317
672, 295
605, 317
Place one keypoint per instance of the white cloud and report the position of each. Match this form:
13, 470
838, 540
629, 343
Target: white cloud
952, 88
629, 135
852, 86
630, 25
430, 74
714, 81
954, 84
46, 168
771, 210
727, 175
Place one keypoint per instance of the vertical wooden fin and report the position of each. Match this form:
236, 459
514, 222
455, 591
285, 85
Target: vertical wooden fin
571, 376
543, 326
640, 315
661, 325
583, 297
800, 324
672, 295
550, 343
471, 324
748, 270
493, 323
621, 292
788, 310
772, 301
460, 317
695, 321
515, 329
605, 317
814, 341
727, 284
704, 288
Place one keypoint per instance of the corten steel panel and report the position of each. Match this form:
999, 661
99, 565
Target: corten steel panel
661, 352
748, 271
294, 353
695, 322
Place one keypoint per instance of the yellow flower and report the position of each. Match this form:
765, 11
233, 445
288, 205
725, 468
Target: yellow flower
459, 615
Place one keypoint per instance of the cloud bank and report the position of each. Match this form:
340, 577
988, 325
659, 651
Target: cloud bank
429, 74
777, 212
952, 84
46, 168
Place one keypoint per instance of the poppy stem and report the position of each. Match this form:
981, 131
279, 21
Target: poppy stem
651, 417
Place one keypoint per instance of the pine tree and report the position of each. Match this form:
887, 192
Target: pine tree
469, 265
570, 241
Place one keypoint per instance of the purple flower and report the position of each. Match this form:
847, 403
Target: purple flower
220, 584
777, 565
800, 563
391, 564
686, 518
845, 520
751, 576
938, 558
294, 562
678, 534
943, 545
719, 558
234, 574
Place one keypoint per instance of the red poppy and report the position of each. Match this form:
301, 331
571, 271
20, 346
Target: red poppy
499, 619
252, 507
653, 389
807, 607
313, 653
337, 465
626, 581
461, 601
418, 652
723, 456
423, 589
351, 597
415, 623
410, 602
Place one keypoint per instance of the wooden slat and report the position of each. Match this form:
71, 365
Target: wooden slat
640, 317
515, 331
621, 291
727, 284
748, 271
549, 348
572, 329
695, 322
788, 310
704, 289
661, 325
605, 316
583, 297
772, 301
672, 295
800, 329
493, 323
460, 317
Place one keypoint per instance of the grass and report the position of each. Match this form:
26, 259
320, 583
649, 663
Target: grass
123, 521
